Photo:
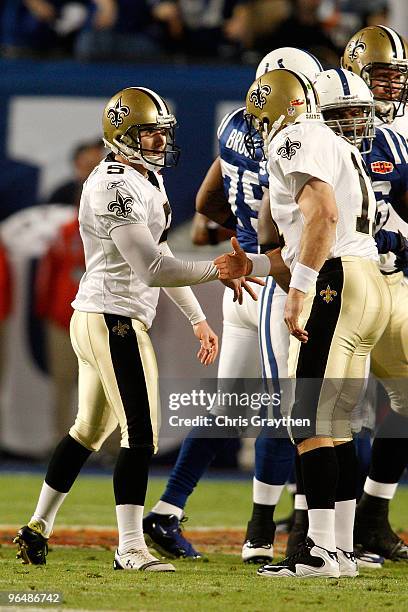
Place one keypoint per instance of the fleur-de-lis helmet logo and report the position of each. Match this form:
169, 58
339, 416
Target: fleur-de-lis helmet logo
288, 150
258, 95
116, 113
355, 48
121, 206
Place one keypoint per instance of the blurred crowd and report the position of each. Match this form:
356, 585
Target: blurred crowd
55, 279
181, 30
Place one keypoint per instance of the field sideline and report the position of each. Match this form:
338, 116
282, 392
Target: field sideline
218, 513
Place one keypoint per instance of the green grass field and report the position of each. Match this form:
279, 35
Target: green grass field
85, 577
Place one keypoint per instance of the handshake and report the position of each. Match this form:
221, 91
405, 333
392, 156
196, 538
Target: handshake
237, 269
234, 270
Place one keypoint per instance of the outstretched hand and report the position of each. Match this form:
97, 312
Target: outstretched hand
233, 265
237, 285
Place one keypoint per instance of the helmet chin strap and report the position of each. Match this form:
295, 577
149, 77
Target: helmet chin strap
276, 125
131, 155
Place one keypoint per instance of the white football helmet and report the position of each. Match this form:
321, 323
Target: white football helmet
342, 93
291, 59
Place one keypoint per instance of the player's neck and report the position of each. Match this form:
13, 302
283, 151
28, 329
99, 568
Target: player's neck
138, 167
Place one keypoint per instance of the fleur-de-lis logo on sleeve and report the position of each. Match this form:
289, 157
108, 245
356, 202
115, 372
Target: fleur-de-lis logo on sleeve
258, 95
122, 206
355, 48
289, 149
117, 112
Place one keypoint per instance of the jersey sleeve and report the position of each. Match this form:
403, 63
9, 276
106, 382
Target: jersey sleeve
388, 160
300, 154
116, 205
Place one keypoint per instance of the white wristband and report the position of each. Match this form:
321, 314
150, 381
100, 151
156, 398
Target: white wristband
303, 277
261, 266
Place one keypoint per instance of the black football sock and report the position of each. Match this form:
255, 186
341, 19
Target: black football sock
261, 526
389, 456
372, 510
300, 519
131, 474
320, 474
347, 462
65, 464
346, 495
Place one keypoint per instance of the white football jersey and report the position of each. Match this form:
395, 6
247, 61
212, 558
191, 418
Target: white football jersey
116, 194
311, 149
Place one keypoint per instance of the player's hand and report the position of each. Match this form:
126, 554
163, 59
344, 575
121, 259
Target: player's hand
209, 343
237, 285
233, 265
293, 309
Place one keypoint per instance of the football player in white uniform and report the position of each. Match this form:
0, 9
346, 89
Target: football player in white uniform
380, 56
230, 195
124, 217
323, 203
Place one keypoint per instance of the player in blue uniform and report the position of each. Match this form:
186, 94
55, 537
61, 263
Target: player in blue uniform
237, 175
387, 164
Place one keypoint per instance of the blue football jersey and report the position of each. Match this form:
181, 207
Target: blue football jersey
387, 164
241, 178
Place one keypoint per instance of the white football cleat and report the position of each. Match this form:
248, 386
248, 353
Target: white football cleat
309, 561
348, 563
140, 560
257, 552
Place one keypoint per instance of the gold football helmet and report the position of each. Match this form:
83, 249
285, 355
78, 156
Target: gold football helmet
275, 100
129, 112
380, 56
